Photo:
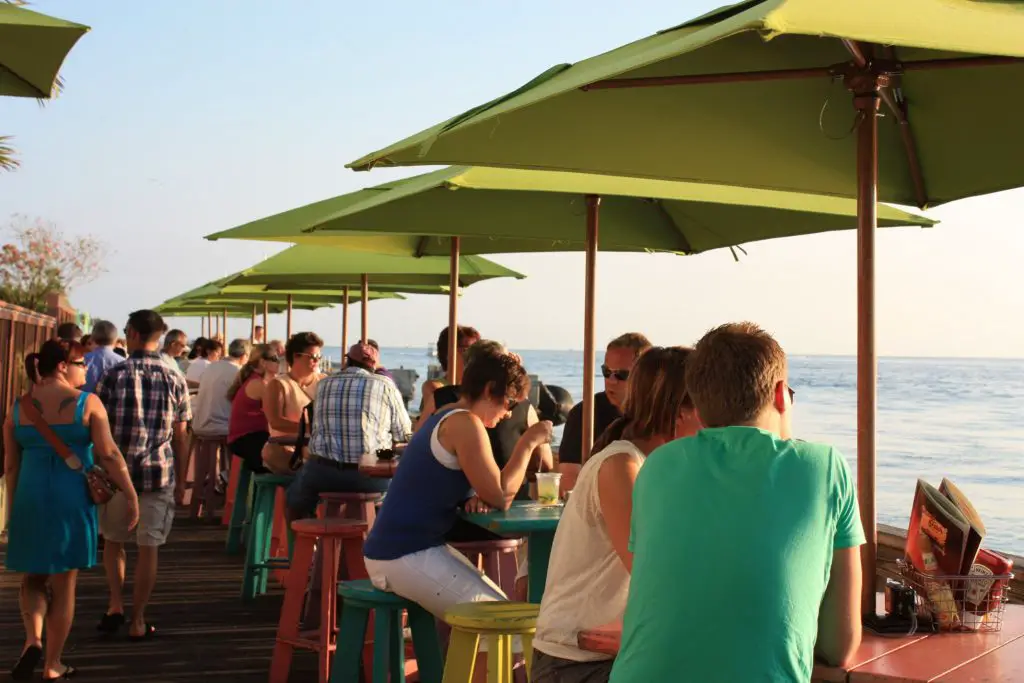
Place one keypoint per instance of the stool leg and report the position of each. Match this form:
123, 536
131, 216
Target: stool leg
499, 659
255, 551
383, 619
238, 510
461, 657
291, 612
201, 474
426, 645
527, 639
396, 644
349, 652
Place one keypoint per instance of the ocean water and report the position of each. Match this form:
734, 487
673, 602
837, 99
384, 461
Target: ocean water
956, 418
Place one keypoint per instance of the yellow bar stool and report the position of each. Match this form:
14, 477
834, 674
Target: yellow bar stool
496, 621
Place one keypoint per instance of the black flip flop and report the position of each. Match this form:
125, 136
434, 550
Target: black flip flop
27, 663
110, 623
69, 672
146, 635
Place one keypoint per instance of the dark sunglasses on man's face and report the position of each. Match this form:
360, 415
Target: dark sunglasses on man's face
313, 357
79, 363
608, 373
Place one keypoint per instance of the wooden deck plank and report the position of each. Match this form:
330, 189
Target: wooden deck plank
204, 630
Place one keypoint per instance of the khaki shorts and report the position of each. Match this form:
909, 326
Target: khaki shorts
156, 515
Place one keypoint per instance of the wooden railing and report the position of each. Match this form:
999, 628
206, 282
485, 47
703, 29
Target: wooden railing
21, 332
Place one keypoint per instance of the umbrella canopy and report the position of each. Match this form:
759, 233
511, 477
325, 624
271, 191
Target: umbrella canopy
509, 211
32, 48
752, 94
304, 265
213, 293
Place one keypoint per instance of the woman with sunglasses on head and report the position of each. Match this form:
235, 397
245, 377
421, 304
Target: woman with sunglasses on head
465, 337
288, 395
445, 462
588, 574
53, 521
247, 428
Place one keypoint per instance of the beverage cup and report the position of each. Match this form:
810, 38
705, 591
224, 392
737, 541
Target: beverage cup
547, 487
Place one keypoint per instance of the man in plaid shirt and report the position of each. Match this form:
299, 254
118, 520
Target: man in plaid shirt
148, 407
355, 413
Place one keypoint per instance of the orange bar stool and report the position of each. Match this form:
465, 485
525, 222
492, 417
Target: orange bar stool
337, 538
204, 484
496, 558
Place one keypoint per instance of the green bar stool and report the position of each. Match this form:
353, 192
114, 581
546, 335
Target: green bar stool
258, 562
239, 508
360, 599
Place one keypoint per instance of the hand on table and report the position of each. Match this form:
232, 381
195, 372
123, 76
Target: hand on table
475, 505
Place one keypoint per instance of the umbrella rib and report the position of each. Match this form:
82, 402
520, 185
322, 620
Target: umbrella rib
663, 212
898, 106
421, 246
39, 93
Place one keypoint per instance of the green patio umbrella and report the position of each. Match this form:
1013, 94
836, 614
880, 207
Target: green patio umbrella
316, 267
487, 210
753, 94
32, 48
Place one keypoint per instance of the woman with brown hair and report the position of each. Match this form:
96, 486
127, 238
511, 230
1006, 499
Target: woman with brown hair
447, 461
247, 428
588, 575
53, 523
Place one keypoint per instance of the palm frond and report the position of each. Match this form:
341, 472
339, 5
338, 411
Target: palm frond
8, 161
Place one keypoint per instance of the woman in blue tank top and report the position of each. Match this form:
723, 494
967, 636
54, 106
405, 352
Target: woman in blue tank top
448, 461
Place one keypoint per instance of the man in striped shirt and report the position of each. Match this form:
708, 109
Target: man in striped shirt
355, 413
148, 407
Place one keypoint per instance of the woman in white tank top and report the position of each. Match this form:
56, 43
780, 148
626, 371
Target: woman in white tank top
588, 574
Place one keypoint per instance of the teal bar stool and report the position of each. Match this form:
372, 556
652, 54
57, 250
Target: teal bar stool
258, 562
239, 509
359, 600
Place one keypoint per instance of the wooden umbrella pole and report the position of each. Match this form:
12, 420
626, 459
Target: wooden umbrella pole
225, 325
344, 322
209, 323
202, 327
288, 328
266, 314
252, 328
366, 311
866, 86
453, 313
589, 368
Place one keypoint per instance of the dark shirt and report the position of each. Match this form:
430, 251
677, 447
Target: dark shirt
572, 438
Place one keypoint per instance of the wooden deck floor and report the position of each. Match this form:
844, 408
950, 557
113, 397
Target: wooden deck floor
204, 631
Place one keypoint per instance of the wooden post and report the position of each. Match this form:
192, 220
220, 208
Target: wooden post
288, 329
866, 87
344, 322
202, 327
252, 328
266, 314
366, 309
209, 323
453, 313
226, 329
590, 291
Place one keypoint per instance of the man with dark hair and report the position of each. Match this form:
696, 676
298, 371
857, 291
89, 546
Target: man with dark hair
619, 358
98, 361
754, 497
69, 332
148, 408
355, 414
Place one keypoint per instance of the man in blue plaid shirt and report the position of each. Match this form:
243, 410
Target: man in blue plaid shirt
355, 413
148, 408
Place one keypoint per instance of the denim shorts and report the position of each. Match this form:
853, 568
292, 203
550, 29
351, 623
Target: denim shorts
316, 477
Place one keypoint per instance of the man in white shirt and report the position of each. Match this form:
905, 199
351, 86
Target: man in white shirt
175, 343
211, 409
211, 352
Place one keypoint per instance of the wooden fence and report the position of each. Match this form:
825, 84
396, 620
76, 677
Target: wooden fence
21, 332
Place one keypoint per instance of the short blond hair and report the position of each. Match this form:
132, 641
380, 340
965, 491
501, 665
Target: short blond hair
732, 373
634, 341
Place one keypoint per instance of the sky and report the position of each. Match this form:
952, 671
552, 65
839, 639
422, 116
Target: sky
184, 118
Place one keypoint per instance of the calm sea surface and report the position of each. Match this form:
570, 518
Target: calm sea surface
956, 418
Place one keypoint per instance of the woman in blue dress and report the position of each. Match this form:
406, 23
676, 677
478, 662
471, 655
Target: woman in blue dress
53, 526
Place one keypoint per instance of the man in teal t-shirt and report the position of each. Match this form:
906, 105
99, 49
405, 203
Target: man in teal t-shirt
745, 541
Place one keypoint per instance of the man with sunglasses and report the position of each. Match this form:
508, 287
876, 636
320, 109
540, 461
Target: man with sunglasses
619, 358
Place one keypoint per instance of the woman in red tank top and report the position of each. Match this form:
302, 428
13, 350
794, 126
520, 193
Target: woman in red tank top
247, 428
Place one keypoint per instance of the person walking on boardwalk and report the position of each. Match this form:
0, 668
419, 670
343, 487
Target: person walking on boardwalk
51, 437
149, 410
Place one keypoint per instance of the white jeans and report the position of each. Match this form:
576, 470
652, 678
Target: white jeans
436, 578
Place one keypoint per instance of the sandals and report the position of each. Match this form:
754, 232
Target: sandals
148, 633
27, 663
69, 672
110, 623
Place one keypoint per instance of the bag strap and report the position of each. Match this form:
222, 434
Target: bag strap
30, 411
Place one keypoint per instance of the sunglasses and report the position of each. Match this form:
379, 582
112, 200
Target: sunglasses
272, 359
608, 373
79, 363
313, 357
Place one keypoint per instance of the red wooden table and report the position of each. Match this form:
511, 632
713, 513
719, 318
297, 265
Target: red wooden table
921, 658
